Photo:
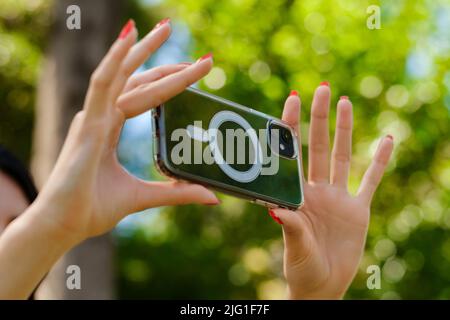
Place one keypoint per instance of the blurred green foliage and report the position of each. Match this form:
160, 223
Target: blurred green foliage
23, 26
398, 80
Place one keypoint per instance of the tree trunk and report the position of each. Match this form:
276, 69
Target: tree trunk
70, 60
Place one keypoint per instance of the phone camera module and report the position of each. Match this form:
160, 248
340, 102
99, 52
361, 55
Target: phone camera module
281, 140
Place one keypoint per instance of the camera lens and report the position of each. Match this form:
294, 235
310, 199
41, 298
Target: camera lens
286, 136
283, 136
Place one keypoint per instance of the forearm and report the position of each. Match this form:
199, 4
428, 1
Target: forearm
28, 249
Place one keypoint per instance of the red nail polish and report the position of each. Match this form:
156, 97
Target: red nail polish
390, 137
325, 83
206, 56
343, 98
126, 29
162, 22
293, 93
275, 217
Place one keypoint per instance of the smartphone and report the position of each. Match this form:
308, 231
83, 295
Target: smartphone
205, 139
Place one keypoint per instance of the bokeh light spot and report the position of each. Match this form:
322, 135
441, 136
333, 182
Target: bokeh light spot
397, 96
384, 248
320, 44
272, 290
390, 295
315, 22
256, 260
215, 79
427, 92
259, 72
393, 270
370, 87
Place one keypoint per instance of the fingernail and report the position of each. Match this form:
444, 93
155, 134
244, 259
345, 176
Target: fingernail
215, 203
293, 93
390, 137
206, 56
343, 98
275, 217
325, 83
126, 29
162, 22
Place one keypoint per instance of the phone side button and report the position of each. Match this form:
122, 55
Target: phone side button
155, 145
260, 202
155, 126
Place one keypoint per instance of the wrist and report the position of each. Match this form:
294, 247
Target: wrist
43, 217
29, 247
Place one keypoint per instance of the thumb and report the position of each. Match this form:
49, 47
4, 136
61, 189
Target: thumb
156, 194
297, 239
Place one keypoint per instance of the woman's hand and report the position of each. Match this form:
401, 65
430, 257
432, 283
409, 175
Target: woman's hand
89, 191
324, 239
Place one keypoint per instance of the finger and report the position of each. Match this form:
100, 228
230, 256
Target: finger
156, 194
342, 147
98, 95
142, 50
139, 54
291, 113
374, 173
154, 94
153, 75
294, 231
319, 144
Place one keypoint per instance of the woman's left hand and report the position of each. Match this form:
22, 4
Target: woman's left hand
88, 191
324, 239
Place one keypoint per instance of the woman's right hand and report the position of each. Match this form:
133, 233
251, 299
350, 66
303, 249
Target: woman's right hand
89, 192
